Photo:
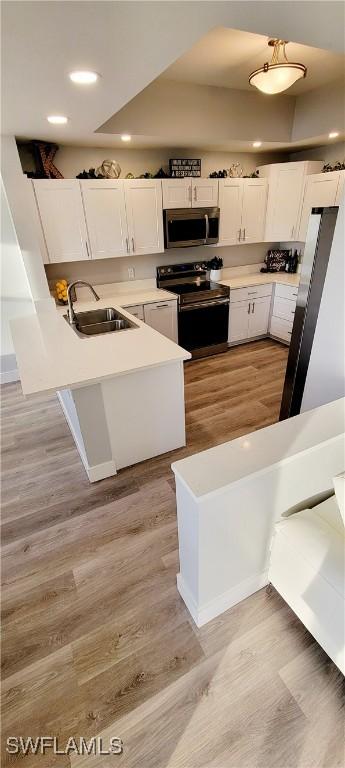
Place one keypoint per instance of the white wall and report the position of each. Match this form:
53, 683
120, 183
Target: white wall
103, 271
16, 298
326, 373
330, 153
70, 160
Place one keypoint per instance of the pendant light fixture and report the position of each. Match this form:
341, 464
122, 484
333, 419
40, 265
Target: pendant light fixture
278, 75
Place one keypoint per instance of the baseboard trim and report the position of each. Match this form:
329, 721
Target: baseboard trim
100, 471
202, 615
6, 377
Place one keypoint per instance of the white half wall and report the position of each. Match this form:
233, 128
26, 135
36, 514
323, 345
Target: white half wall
326, 372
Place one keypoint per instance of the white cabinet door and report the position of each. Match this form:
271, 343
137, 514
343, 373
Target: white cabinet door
230, 204
163, 317
320, 190
105, 212
144, 215
340, 189
204, 193
238, 321
137, 310
284, 202
254, 210
259, 316
61, 212
177, 193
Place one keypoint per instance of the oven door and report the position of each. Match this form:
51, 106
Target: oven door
204, 326
187, 226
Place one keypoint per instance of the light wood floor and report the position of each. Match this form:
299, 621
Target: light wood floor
96, 640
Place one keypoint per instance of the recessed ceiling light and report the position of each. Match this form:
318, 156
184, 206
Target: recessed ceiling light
57, 119
126, 137
257, 143
333, 135
83, 77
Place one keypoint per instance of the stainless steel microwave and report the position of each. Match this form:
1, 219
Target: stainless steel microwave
190, 226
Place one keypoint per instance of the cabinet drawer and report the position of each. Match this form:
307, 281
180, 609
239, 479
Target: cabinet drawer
284, 308
280, 328
250, 292
286, 291
137, 310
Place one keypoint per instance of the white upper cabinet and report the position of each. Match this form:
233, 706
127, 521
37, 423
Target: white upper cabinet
230, 204
143, 199
242, 204
341, 187
105, 213
285, 192
62, 217
100, 218
204, 193
254, 204
177, 193
320, 190
190, 192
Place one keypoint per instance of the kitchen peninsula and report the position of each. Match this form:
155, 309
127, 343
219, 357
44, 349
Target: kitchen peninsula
122, 393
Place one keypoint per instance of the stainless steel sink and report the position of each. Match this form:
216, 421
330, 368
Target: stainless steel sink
97, 321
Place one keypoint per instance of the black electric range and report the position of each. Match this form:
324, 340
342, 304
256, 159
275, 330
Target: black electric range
203, 307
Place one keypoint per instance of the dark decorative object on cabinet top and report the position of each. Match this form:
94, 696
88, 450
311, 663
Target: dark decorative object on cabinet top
337, 167
43, 154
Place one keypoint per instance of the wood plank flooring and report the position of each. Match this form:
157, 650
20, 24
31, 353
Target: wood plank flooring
95, 638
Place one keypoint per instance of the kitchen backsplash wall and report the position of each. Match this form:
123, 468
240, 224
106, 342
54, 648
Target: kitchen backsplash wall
103, 271
70, 160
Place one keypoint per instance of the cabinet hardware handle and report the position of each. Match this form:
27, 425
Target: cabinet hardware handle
244, 234
195, 193
127, 245
190, 193
133, 244
292, 231
253, 309
87, 249
248, 308
252, 293
161, 306
239, 235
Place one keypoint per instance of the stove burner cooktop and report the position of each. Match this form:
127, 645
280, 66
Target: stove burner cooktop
189, 282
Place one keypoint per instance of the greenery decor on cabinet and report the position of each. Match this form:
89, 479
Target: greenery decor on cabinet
337, 167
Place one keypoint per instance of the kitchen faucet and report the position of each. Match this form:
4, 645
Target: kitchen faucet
70, 312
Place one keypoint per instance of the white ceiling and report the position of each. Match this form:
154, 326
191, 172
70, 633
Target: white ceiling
130, 44
225, 58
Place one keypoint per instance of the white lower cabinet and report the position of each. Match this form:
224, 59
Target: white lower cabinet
137, 310
259, 316
249, 312
283, 312
162, 316
238, 321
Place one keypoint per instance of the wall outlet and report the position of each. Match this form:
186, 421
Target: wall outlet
131, 273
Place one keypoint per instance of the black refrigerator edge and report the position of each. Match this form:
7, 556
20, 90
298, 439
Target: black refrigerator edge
313, 273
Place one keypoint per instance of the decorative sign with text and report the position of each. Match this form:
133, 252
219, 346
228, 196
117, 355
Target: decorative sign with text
180, 167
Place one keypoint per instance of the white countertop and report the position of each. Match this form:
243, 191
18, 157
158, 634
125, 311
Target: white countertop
260, 278
209, 471
52, 356
125, 294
